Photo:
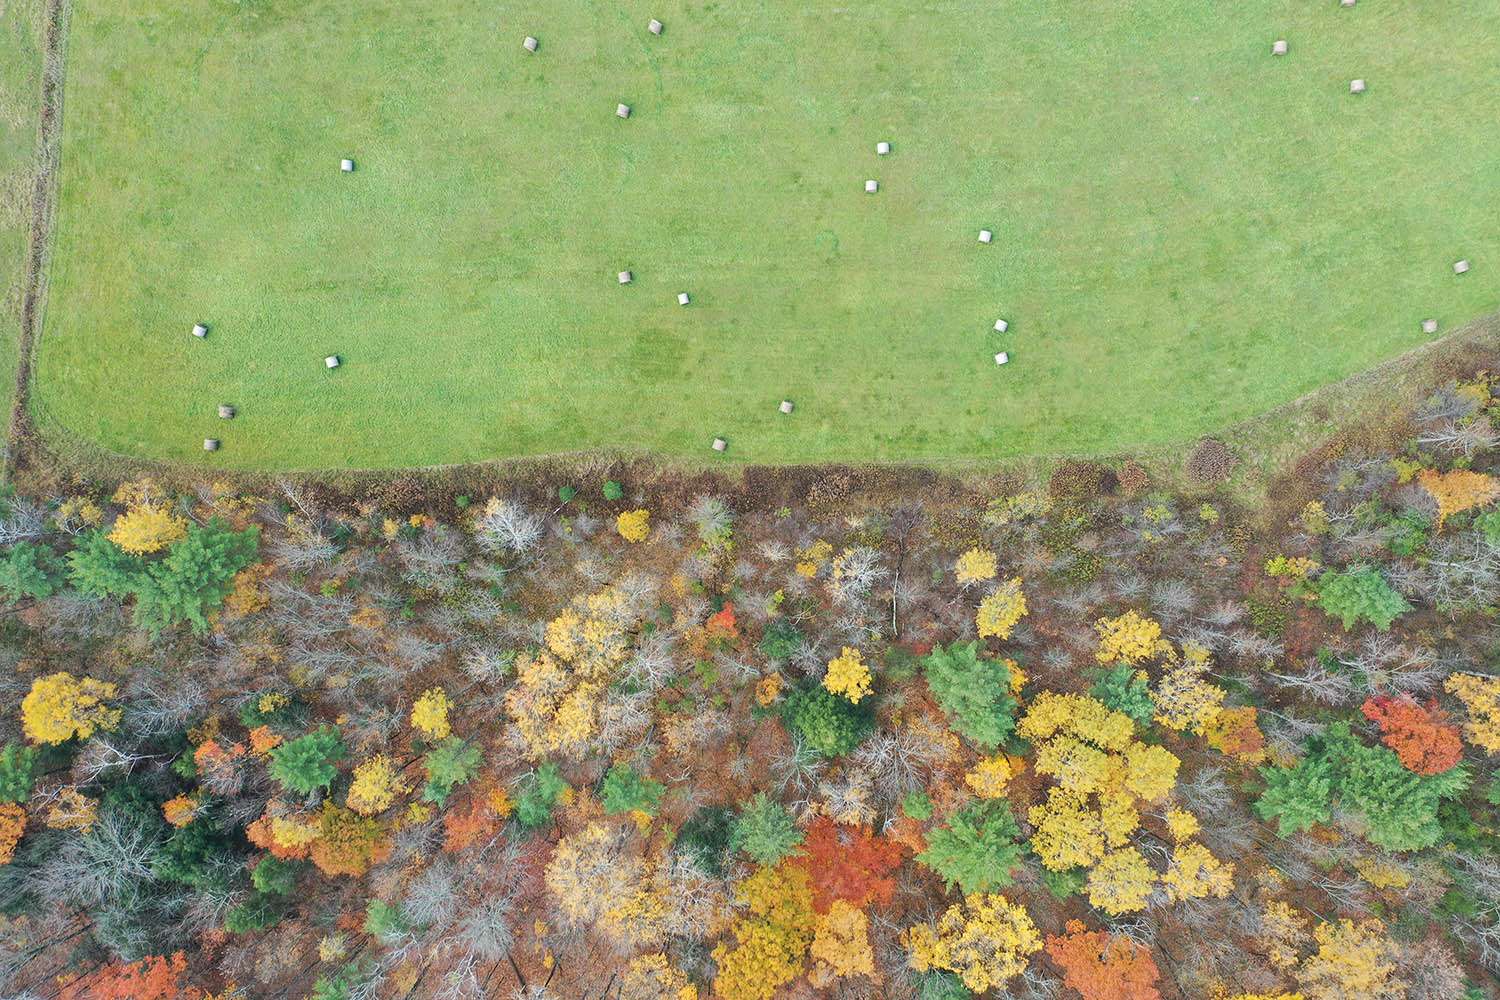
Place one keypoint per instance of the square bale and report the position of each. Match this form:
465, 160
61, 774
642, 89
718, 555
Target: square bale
529, 44
1002, 358
654, 26
626, 277
332, 361
786, 406
720, 444
200, 331
683, 299
1001, 326
1278, 47
1429, 326
622, 111
1356, 86
346, 165
985, 236
882, 148
871, 187
210, 444
1460, 267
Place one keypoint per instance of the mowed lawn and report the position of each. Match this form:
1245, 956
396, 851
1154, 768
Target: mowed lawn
1188, 231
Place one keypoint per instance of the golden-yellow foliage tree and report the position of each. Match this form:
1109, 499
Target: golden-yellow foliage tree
1481, 698
1352, 960
1001, 610
1121, 882
841, 945
771, 940
148, 528
848, 676
1128, 638
429, 714
986, 940
375, 786
60, 707
976, 566
1458, 490
634, 525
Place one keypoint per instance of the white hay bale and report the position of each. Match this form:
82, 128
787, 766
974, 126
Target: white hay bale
871, 187
200, 331
654, 26
529, 44
226, 412
622, 111
720, 444
1001, 326
332, 361
1429, 326
210, 444
683, 299
626, 277
1460, 267
1356, 86
346, 165
882, 148
1346, 3
786, 406
1278, 47
1002, 358
985, 236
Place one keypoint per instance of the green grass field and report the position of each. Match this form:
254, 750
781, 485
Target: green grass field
1188, 231
20, 86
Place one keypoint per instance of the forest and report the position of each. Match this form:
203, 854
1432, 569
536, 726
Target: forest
1110, 734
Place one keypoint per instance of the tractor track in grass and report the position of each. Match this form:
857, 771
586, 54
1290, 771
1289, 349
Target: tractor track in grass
43, 219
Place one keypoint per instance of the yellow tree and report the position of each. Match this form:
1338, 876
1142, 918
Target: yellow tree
147, 528
1458, 490
634, 525
1481, 698
1121, 882
976, 566
1128, 638
429, 714
771, 940
1001, 610
1352, 960
60, 707
375, 786
987, 941
841, 945
1194, 873
848, 676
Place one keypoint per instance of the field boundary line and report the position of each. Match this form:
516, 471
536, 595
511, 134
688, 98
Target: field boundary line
43, 221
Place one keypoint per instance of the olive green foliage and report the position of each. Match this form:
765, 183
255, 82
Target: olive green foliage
382, 920
764, 830
825, 723
624, 790
274, 875
976, 849
31, 570
974, 691
1125, 689
780, 640
1296, 797
1360, 594
452, 762
705, 838
305, 764
17, 766
259, 911
943, 986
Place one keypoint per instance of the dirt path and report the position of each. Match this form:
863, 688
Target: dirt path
43, 216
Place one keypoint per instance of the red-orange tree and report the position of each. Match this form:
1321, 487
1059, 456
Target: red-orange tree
152, 978
1104, 966
848, 863
1419, 734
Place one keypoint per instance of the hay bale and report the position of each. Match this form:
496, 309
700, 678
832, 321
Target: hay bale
1346, 3
529, 44
346, 165
1210, 463
1003, 358
683, 299
786, 406
332, 361
1460, 267
871, 187
985, 236
1429, 326
882, 148
200, 331
1278, 47
210, 444
720, 444
226, 412
1356, 86
626, 277
622, 111
1001, 326
654, 26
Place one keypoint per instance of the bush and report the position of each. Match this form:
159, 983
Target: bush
451, 763
1360, 593
30, 570
626, 791
1080, 480
537, 794
17, 767
1210, 463
973, 691
977, 849
764, 830
781, 639
825, 723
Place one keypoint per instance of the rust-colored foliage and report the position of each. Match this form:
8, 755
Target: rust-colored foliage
849, 863
465, 826
1104, 966
1419, 734
722, 624
152, 978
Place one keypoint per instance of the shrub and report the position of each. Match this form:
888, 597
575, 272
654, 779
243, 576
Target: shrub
537, 794
305, 764
17, 766
30, 570
1209, 463
781, 639
1079, 480
764, 830
450, 763
977, 849
626, 791
973, 691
